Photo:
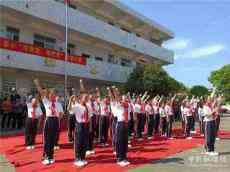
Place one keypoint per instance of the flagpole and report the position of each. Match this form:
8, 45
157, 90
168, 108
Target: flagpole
66, 51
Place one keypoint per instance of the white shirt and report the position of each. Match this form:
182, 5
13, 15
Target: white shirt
38, 111
162, 112
137, 108
119, 108
155, 109
91, 108
48, 106
105, 109
168, 110
200, 113
149, 109
81, 113
207, 113
187, 111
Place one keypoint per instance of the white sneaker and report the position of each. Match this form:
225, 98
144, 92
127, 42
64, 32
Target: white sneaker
213, 153
92, 152
32, 147
85, 162
79, 163
45, 162
88, 152
140, 139
129, 141
115, 153
188, 138
106, 144
193, 132
149, 138
202, 135
171, 138
129, 145
123, 163
28, 147
217, 138
52, 161
56, 147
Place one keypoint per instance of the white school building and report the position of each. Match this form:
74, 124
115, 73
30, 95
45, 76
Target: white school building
107, 40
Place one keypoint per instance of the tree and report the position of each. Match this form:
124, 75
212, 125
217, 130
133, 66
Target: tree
154, 79
199, 90
220, 79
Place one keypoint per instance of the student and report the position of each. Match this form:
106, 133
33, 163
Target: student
91, 105
33, 114
105, 111
137, 115
71, 118
170, 116
163, 119
201, 118
150, 119
188, 119
210, 127
53, 111
155, 104
81, 140
7, 112
218, 111
121, 109
183, 117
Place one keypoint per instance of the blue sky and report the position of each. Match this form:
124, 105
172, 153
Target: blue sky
202, 35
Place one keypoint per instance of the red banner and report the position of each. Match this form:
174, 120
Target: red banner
44, 52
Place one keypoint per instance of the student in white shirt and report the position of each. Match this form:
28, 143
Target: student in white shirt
201, 118
137, 118
188, 119
81, 140
163, 119
71, 118
150, 118
53, 111
33, 114
210, 127
170, 115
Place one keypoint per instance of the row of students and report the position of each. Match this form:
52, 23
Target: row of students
90, 116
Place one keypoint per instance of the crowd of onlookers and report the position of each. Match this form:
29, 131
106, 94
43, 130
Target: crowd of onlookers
13, 111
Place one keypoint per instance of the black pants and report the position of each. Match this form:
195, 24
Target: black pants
92, 129
164, 125
139, 125
103, 128
5, 116
97, 126
131, 125
122, 141
81, 140
193, 123
71, 127
12, 116
19, 120
57, 134
30, 131
151, 122
188, 125
157, 123
170, 122
114, 134
50, 135
210, 135
143, 121
201, 125
217, 125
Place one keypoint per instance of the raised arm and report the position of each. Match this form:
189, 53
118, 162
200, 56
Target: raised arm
39, 88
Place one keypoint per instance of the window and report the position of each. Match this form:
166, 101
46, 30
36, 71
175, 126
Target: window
70, 49
126, 62
45, 42
155, 41
138, 35
111, 23
87, 56
126, 30
70, 5
12, 33
99, 58
112, 59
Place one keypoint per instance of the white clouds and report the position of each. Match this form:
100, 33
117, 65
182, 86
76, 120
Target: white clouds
202, 51
177, 44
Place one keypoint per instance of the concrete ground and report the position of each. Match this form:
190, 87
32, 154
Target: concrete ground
193, 160
188, 161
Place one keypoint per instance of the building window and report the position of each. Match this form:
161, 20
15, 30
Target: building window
99, 58
126, 30
126, 62
138, 35
70, 5
155, 41
87, 56
70, 49
112, 59
12, 33
45, 42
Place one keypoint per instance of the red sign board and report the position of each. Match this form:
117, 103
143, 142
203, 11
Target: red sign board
44, 52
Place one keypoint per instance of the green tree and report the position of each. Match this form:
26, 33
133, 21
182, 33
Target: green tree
154, 79
199, 90
220, 79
